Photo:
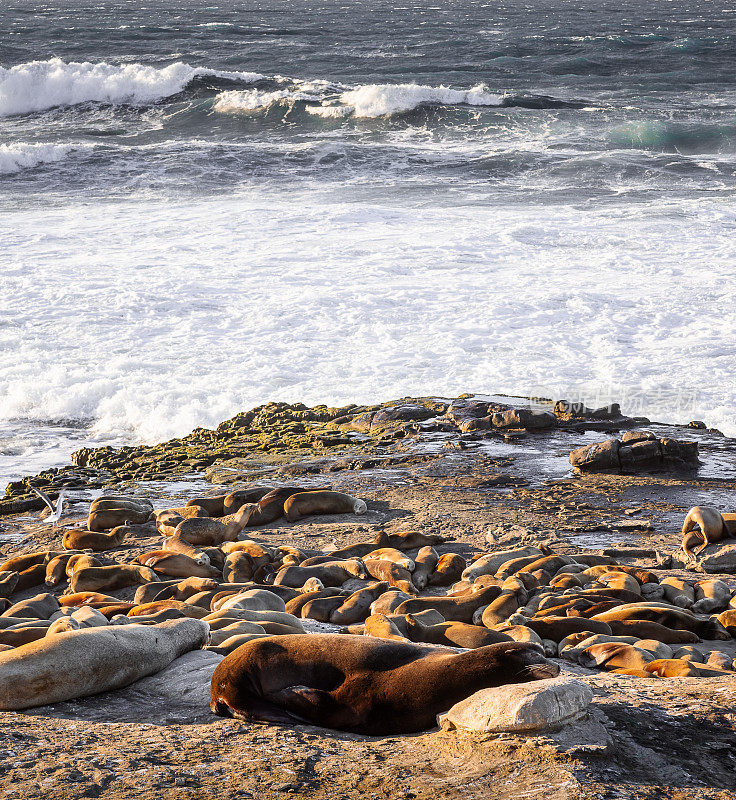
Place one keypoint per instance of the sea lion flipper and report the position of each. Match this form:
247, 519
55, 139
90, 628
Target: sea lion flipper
306, 702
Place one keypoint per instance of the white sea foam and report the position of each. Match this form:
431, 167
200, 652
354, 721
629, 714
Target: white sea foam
233, 101
377, 100
162, 315
40, 85
373, 100
22, 155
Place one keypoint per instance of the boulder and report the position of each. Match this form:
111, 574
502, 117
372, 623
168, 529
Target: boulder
719, 558
599, 457
523, 418
520, 708
635, 452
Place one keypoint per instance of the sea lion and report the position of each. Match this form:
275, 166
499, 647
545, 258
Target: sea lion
271, 505
111, 511
236, 628
711, 595
612, 655
93, 599
356, 607
80, 561
321, 609
211, 531
234, 642
678, 592
407, 540
425, 564
557, 628
8, 582
80, 539
177, 565
213, 506
450, 566
233, 501
186, 609
252, 599
672, 668
41, 606
92, 660
27, 560
91, 579
490, 563
453, 634
360, 684
391, 572
669, 616
175, 544
705, 525
380, 626
391, 554
305, 504
56, 569
619, 580
333, 573
453, 609
727, 619
500, 608
389, 601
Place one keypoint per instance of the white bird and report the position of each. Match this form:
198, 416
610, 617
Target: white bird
57, 510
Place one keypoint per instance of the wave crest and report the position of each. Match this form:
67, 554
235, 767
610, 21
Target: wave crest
40, 85
15, 157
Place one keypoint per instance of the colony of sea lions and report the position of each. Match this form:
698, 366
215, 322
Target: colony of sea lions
398, 601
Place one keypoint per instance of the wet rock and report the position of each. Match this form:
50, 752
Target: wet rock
697, 424
719, 558
527, 707
635, 455
523, 418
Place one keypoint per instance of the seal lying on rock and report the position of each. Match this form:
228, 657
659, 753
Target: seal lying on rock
705, 525
360, 684
92, 660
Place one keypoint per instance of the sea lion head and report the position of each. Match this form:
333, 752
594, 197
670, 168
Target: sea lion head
526, 662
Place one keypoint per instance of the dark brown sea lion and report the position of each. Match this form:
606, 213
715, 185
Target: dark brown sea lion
116, 577
333, 573
669, 616
360, 684
705, 525
557, 628
454, 609
27, 560
8, 582
271, 505
306, 504
406, 540
453, 634
33, 576
232, 502
214, 506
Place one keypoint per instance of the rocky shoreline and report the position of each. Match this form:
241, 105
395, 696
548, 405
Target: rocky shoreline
467, 468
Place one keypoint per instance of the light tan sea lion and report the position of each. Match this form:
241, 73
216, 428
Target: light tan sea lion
356, 607
33, 576
234, 642
520, 633
613, 655
80, 561
210, 531
390, 554
392, 573
79, 539
728, 620
672, 668
177, 565
175, 544
705, 525
379, 626
253, 599
259, 552
27, 560
307, 504
111, 511
386, 687
500, 609
111, 578
646, 629
619, 580
236, 628
56, 568
86, 598
450, 567
567, 580
92, 660
389, 601
678, 592
22, 635
321, 609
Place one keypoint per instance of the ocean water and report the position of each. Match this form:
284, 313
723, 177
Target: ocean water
203, 208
